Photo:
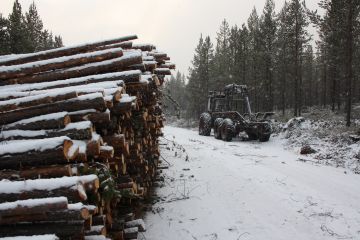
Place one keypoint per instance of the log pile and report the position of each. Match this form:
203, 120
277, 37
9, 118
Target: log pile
79, 139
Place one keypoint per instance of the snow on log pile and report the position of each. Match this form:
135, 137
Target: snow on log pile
79, 139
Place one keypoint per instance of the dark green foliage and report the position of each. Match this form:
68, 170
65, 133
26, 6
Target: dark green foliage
25, 33
274, 56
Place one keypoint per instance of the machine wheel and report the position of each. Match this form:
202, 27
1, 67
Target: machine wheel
217, 127
227, 130
252, 136
264, 138
205, 124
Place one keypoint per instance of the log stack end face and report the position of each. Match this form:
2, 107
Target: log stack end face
79, 138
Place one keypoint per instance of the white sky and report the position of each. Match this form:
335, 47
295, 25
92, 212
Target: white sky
174, 26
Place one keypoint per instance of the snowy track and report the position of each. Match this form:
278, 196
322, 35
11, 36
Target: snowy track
250, 190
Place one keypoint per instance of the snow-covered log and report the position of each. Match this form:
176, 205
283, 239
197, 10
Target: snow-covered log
59, 52
29, 153
36, 100
15, 71
107, 66
88, 101
43, 122
162, 71
32, 206
62, 229
38, 172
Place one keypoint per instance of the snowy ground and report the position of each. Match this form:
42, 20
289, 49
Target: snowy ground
250, 190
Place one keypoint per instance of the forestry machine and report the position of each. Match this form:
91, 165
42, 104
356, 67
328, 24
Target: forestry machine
229, 113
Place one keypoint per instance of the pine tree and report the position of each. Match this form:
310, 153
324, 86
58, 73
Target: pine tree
299, 36
4, 36
267, 31
58, 42
17, 30
254, 63
282, 54
34, 27
221, 70
199, 84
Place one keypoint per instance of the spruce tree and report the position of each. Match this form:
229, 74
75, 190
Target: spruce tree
267, 31
4, 36
58, 42
34, 27
299, 35
17, 30
221, 70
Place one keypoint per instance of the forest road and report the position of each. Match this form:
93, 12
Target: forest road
249, 190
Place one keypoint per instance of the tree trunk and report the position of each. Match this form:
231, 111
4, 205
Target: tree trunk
65, 51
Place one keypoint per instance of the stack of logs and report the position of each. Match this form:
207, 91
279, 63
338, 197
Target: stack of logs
79, 138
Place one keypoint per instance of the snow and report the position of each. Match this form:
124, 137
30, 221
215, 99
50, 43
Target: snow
148, 58
21, 133
31, 203
79, 80
45, 117
43, 184
41, 53
35, 237
78, 125
91, 87
125, 98
107, 148
136, 223
22, 146
21, 67
95, 237
83, 112
146, 78
95, 137
250, 190
81, 144
112, 91
127, 55
43, 95
90, 96
108, 98
79, 206
131, 230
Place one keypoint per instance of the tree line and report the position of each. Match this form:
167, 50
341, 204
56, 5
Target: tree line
25, 33
274, 55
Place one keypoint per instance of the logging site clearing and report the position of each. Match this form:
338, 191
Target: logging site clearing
249, 190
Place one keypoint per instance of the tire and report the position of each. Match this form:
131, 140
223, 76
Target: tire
227, 130
217, 127
205, 124
252, 136
264, 138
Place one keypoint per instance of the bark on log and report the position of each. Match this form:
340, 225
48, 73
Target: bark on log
62, 229
39, 172
83, 133
162, 71
75, 193
123, 45
33, 206
117, 141
50, 216
64, 51
107, 66
34, 101
76, 104
58, 154
16, 71
53, 121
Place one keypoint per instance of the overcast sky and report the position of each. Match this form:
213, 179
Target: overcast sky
174, 26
